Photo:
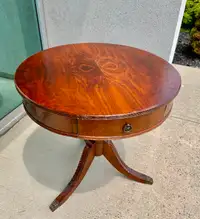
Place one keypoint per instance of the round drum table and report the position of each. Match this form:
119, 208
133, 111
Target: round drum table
97, 92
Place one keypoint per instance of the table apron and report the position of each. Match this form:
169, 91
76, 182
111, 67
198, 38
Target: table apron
97, 129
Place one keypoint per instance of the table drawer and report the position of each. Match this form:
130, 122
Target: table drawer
111, 128
54, 122
120, 128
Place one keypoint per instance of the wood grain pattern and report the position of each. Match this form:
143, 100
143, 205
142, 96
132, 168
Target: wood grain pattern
97, 81
83, 166
113, 157
92, 149
92, 90
96, 129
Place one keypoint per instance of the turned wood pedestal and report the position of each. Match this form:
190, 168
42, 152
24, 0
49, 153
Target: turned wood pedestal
97, 92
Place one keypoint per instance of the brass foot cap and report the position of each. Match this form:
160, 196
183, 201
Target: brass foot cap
149, 180
54, 205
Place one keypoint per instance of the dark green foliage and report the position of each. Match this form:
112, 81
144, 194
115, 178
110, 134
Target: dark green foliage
195, 37
191, 23
197, 23
192, 12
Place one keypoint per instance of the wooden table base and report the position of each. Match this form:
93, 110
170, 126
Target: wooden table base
92, 149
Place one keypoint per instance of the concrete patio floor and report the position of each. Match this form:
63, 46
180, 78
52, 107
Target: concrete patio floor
36, 164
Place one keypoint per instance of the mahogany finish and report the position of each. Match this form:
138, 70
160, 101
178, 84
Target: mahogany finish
103, 80
92, 149
96, 129
97, 92
83, 166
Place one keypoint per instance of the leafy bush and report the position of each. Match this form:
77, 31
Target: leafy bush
192, 12
195, 37
191, 23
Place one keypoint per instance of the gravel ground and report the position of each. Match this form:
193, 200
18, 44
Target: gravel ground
183, 54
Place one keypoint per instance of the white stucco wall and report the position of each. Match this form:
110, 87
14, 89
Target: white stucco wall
146, 24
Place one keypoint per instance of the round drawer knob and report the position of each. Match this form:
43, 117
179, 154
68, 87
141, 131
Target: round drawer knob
127, 128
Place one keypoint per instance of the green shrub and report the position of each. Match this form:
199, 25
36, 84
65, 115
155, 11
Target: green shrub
197, 23
195, 37
191, 23
192, 12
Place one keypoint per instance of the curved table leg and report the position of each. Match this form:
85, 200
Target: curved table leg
113, 157
83, 166
92, 149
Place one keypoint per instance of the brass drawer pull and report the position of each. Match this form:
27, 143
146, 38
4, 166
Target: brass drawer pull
127, 128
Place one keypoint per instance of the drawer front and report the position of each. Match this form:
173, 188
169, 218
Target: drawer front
51, 121
121, 128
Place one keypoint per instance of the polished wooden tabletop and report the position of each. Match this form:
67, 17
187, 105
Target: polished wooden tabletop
97, 80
